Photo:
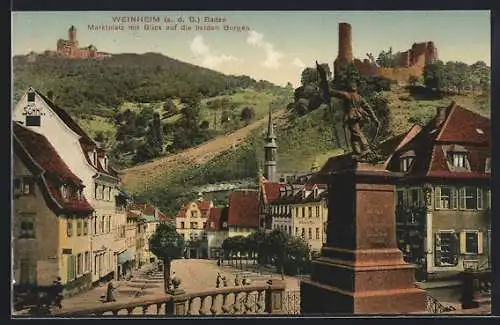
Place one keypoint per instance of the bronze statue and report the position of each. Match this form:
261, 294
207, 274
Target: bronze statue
356, 112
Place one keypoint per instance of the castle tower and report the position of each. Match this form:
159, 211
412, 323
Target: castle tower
72, 35
270, 150
344, 56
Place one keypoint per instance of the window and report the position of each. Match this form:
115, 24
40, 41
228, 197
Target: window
471, 198
28, 271
406, 163
310, 233
85, 227
109, 224
310, 211
296, 231
317, 212
303, 212
31, 95
101, 226
95, 264
79, 227
194, 225
24, 185
87, 262
459, 159
96, 187
193, 214
317, 233
204, 225
69, 227
303, 234
446, 248
471, 242
446, 198
79, 264
182, 225
71, 267
27, 226
94, 158
95, 225
296, 212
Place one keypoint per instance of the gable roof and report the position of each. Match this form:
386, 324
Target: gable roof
86, 142
216, 219
270, 191
244, 209
50, 171
435, 139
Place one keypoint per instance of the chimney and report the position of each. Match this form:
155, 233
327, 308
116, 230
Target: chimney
344, 56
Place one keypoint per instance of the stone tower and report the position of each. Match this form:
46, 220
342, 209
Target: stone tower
270, 149
344, 56
72, 35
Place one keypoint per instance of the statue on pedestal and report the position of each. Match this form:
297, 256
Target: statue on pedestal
356, 112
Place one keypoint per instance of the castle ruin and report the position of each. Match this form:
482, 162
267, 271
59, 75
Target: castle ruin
409, 63
69, 48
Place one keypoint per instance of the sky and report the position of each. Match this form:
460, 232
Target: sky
274, 46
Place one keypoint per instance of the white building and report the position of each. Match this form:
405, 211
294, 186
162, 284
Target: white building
217, 231
89, 163
191, 223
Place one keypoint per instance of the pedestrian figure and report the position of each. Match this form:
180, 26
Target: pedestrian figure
109, 293
237, 280
224, 281
218, 262
217, 282
57, 292
245, 282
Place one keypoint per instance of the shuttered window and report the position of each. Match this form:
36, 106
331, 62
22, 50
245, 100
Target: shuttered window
71, 267
446, 248
471, 242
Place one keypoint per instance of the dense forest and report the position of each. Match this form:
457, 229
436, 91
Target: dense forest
99, 86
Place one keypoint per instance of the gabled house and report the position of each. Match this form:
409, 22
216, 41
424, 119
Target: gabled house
89, 163
243, 212
217, 231
443, 200
268, 192
191, 223
51, 217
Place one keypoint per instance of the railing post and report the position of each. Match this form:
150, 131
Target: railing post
176, 305
274, 297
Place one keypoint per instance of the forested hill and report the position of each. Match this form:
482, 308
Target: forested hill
150, 77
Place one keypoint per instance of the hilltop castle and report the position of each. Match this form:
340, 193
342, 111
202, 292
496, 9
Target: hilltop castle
409, 63
69, 48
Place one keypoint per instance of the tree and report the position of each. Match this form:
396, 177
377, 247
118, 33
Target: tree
247, 114
278, 241
167, 245
387, 59
434, 76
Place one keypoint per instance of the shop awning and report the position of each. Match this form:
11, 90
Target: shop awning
124, 257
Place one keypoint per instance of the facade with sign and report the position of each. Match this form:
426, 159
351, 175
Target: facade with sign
51, 217
443, 202
88, 162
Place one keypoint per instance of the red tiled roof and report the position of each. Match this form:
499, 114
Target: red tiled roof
271, 191
204, 206
461, 126
429, 144
86, 142
214, 221
244, 209
148, 209
41, 156
132, 215
389, 146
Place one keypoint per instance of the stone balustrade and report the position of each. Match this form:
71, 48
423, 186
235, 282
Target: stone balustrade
245, 300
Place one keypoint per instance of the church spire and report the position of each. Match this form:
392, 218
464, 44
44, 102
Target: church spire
270, 149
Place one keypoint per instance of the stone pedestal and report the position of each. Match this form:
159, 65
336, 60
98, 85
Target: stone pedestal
361, 270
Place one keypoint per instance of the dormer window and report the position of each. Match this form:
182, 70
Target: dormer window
316, 192
459, 159
406, 160
105, 163
94, 158
64, 192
